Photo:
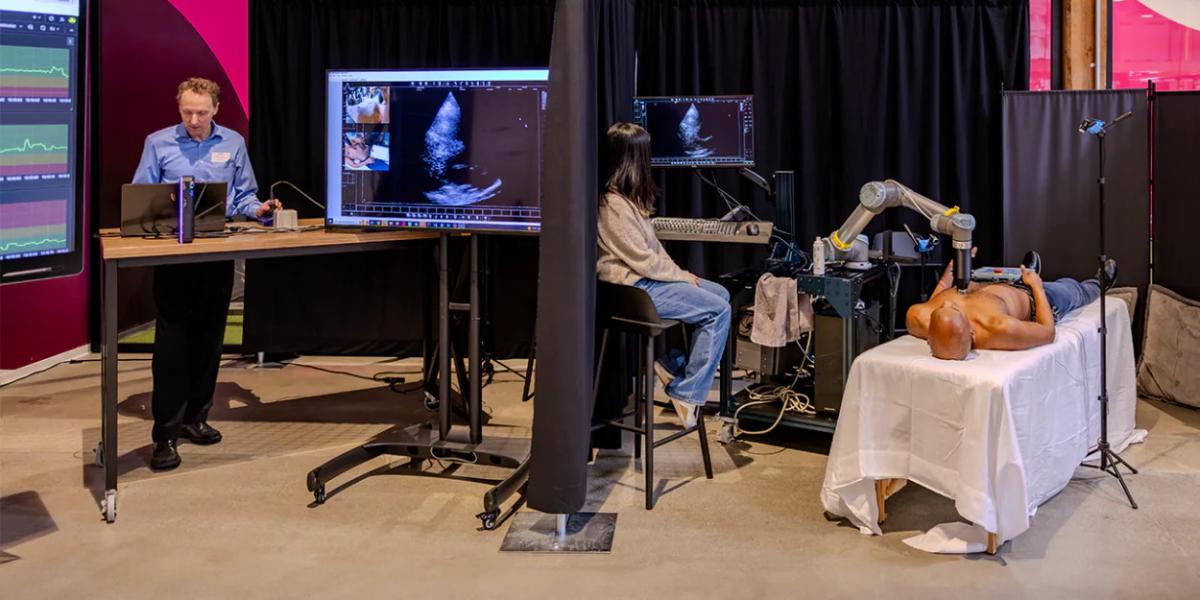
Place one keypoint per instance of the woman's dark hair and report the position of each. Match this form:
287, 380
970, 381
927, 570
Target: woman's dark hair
629, 158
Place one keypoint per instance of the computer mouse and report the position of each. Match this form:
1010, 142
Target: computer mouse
752, 229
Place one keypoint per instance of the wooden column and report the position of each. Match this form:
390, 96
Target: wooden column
1080, 59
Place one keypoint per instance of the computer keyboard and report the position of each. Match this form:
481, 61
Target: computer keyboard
711, 230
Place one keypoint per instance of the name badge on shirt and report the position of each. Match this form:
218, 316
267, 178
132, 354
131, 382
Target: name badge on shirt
219, 158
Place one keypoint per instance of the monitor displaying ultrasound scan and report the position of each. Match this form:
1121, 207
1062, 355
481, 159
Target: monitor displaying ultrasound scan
450, 149
698, 131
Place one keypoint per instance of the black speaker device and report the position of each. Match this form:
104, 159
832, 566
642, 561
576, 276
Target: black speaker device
187, 209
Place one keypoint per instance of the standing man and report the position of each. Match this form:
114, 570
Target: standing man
192, 300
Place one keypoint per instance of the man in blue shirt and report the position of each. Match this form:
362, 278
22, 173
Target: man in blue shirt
192, 300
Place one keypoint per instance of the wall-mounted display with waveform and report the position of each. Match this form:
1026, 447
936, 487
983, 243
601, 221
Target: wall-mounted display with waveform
42, 58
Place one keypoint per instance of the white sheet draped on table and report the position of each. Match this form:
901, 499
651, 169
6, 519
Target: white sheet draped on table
999, 434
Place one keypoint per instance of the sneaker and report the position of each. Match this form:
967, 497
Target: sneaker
1032, 261
665, 376
688, 413
1108, 274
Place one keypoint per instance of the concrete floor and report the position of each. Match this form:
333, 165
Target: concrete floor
235, 520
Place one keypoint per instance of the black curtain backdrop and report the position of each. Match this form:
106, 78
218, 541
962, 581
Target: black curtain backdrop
1176, 206
370, 303
845, 92
1050, 191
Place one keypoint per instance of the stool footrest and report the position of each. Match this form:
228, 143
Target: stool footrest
675, 436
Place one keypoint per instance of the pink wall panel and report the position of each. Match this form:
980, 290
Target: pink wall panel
146, 48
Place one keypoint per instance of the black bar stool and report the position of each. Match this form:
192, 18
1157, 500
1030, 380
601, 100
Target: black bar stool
628, 309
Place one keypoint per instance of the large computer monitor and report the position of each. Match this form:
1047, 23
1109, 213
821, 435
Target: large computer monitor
449, 149
698, 131
43, 52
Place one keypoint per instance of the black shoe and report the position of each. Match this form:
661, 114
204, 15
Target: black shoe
165, 457
1032, 261
1108, 276
200, 433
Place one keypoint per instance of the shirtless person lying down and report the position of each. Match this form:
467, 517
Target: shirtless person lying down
998, 316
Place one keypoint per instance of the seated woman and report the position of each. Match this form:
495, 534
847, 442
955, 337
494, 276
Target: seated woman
630, 254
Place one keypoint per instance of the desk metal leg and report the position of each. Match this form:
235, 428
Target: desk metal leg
108, 395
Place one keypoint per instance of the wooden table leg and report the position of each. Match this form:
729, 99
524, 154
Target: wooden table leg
993, 544
881, 486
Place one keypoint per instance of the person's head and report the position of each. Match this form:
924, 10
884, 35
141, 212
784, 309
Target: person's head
198, 100
949, 333
629, 160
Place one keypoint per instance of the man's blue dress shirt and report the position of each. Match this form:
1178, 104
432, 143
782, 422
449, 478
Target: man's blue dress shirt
170, 154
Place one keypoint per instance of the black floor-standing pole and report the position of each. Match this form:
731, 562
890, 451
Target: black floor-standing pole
1109, 461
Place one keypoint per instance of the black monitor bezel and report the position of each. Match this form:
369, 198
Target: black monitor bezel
723, 165
342, 228
69, 264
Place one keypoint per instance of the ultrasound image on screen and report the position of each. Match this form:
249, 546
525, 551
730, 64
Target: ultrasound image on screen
713, 131
462, 147
445, 149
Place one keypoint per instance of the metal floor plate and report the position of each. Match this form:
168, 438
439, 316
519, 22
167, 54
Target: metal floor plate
535, 532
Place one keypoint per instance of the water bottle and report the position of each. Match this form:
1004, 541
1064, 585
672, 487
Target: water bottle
818, 256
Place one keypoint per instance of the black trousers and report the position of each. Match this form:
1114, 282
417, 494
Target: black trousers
192, 303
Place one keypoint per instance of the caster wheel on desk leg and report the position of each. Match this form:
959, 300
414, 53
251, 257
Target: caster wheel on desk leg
726, 436
109, 506
489, 519
98, 454
319, 494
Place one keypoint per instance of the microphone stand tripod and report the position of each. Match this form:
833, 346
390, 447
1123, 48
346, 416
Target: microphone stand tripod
1109, 460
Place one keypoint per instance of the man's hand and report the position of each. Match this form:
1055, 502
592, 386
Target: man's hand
1031, 279
267, 207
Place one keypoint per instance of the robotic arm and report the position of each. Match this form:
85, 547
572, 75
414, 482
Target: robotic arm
878, 195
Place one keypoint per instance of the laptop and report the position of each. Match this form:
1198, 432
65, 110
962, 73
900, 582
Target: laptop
148, 209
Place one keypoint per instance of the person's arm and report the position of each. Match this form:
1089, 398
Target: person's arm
244, 200
917, 319
1015, 334
620, 233
1044, 314
148, 169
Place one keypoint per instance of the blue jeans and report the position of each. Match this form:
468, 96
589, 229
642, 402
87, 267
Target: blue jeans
707, 307
1066, 295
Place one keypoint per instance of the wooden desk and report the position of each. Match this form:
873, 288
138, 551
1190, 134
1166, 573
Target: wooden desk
118, 252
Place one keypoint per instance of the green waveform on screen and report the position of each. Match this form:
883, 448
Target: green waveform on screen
30, 145
5, 247
48, 71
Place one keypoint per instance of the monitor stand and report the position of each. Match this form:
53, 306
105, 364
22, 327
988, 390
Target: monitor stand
421, 442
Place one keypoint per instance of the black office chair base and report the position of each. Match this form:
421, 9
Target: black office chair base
421, 443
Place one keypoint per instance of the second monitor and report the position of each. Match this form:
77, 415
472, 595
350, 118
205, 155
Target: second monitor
698, 131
